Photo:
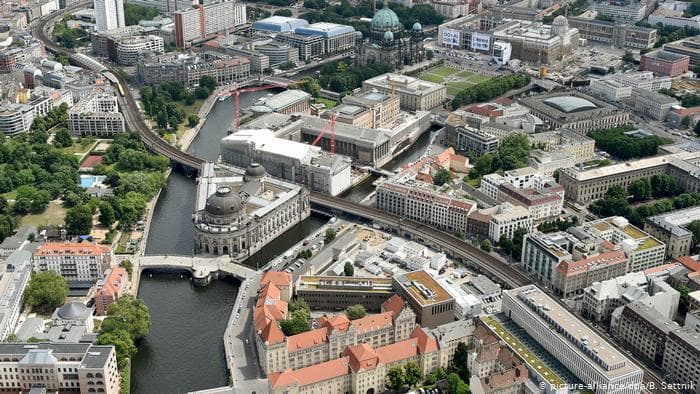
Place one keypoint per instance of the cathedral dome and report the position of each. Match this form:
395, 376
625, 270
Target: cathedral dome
385, 19
388, 36
417, 27
224, 202
255, 171
358, 35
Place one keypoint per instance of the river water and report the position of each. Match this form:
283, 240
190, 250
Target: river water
184, 350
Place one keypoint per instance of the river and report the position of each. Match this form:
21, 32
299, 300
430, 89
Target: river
184, 350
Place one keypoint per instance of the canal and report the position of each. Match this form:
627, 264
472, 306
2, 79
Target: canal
184, 350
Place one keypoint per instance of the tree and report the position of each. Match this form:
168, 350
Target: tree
514, 151
616, 191
396, 376
46, 291
192, 120
694, 227
459, 362
349, 269
299, 305
208, 82
456, 385
129, 314
505, 243
62, 139
412, 374
640, 189
134, 13
79, 220
442, 177
122, 342
310, 86
127, 265
486, 245
107, 215
330, 235
686, 121
283, 12
628, 57
355, 312
201, 93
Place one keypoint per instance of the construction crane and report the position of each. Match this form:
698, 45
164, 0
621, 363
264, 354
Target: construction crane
236, 92
331, 124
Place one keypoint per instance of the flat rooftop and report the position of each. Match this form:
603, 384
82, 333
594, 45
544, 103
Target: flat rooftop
568, 327
423, 288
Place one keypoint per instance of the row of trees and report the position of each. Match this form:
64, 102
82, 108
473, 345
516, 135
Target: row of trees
513, 247
557, 225
625, 147
134, 13
645, 188
342, 78
489, 89
615, 203
67, 37
128, 321
343, 11
512, 153
408, 374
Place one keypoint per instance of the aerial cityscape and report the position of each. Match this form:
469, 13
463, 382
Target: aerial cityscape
353, 196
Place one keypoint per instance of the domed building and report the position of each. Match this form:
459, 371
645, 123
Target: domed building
238, 212
389, 43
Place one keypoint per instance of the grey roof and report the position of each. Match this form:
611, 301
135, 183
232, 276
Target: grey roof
74, 310
454, 330
484, 285
9, 349
224, 202
570, 104
30, 328
38, 357
96, 357
652, 316
16, 240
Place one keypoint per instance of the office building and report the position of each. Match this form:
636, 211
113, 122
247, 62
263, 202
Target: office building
433, 306
59, 367
689, 46
9, 57
204, 20
575, 111
642, 330
620, 86
336, 38
664, 63
114, 284
541, 195
109, 14
580, 349
370, 109
671, 229
289, 160
97, 115
565, 141
469, 139
602, 298
18, 118
278, 24
189, 68
681, 359
507, 219
669, 17
541, 44
583, 186
126, 44
336, 293
76, 262
619, 35
17, 271
652, 104
414, 94
406, 196
227, 198
621, 11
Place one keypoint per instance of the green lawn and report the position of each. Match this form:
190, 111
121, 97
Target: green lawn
460, 85
443, 71
477, 78
452, 91
80, 146
329, 103
55, 214
465, 74
431, 77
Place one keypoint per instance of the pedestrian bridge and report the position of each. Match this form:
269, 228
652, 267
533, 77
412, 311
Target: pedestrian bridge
203, 269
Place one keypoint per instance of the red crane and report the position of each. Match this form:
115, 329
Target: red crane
331, 124
235, 92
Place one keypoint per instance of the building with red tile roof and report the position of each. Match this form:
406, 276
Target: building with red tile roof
114, 285
571, 277
90, 162
361, 368
282, 280
76, 262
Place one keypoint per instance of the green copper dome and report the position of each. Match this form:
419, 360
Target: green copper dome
388, 36
385, 19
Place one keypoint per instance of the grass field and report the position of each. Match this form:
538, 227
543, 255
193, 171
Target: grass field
55, 214
80, 146
329, 103
455, 80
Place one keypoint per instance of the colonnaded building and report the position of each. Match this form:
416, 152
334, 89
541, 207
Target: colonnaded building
237, 213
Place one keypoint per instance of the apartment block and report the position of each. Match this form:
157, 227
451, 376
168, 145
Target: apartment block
507, 219
201, 21
652, 104
664, 63
115, 284
76, 262
96, 115
670, 228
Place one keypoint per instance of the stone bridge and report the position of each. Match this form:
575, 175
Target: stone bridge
203, 269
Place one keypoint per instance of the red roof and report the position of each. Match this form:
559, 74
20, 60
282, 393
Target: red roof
113, 282
279, 278
272, 334
395, 305
307, 339
71, 249
91, 161
373, 322
339, 322
312, 374
690, 263
362, 357
426, 342
398, 351
569, 268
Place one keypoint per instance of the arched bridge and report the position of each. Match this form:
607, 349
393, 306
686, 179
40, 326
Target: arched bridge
203, 269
